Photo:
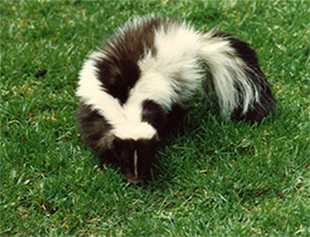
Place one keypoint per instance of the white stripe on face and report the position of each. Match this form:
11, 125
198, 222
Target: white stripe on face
135, 161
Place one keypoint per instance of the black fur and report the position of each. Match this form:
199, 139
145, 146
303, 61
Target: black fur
118, 71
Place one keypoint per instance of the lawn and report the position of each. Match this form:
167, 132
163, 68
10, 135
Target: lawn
212, 177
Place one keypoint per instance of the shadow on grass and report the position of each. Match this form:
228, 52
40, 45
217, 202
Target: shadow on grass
165, 168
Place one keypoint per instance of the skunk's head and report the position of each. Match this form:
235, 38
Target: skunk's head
134, 147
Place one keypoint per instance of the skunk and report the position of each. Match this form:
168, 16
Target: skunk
133, 86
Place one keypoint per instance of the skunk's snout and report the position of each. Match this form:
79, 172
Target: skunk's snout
134, 179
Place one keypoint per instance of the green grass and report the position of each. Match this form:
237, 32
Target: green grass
212, 177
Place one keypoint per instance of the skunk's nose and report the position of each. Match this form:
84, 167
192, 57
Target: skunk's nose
133, 179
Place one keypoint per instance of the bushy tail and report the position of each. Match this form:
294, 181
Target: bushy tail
241, 89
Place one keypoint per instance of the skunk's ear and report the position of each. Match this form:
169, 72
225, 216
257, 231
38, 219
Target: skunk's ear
111, 141
148, 144
155, 139
122, 149
115, 145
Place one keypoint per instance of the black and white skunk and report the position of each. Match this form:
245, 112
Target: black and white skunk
149, 69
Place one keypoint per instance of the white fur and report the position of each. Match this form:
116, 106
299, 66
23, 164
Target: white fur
91, 93
170, 76
134, 131
125, 120
179, 51
226, 71
174, 72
